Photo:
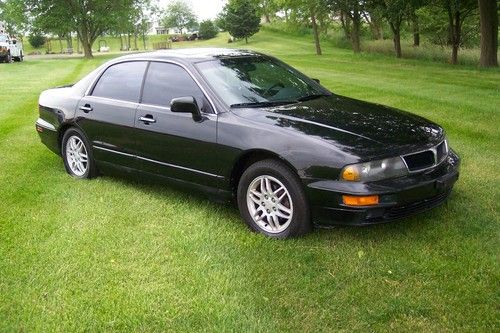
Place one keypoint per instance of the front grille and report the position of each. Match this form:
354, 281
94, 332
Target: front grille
415, 207
419, 161
426, 159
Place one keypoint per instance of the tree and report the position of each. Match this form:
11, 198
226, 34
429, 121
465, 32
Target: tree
394, 11
351, 12
89, 18
489, 32
36, 40
207, 30
458, 11
374, 19
313, 12
268, 8
413, 6
241, 18
179, 15
12, 12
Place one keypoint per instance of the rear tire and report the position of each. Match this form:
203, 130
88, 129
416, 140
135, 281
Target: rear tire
272, 201
77, 155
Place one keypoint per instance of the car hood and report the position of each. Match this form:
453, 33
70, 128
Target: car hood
357, 127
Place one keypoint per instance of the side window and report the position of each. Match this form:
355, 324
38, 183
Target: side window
121, 81
166, 81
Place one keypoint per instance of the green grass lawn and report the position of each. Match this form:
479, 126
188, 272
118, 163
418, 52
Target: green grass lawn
118, 254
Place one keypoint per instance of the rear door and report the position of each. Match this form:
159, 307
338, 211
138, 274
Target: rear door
173, 144
107, 114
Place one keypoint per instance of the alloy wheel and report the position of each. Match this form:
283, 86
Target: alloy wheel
76, 156
270, 204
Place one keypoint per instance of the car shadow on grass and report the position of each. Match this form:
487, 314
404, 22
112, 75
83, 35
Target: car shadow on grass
419, 225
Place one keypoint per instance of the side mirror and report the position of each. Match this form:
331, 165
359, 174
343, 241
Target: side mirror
14, 42
186, 105
316, 80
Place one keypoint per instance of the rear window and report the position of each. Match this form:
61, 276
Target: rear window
121, 81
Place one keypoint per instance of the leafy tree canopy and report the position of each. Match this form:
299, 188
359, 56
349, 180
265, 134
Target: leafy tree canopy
179, 15
241, 18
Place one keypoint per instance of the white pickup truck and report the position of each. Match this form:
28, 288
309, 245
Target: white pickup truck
10, 49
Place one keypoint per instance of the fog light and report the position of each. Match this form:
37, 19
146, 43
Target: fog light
352, 200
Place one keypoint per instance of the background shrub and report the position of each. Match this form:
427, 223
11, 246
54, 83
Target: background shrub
207, 30
36, 40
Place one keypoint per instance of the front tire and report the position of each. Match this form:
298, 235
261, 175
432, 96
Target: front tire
77, 155
272, 201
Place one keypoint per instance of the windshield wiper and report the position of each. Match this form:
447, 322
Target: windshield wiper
261, 104
310, 97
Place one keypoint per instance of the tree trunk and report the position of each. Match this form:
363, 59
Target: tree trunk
86, 43
78, 42
121, 42
455, 28
375, 26
356, 24
315, 32
489, 33
396, 38
60, 45
144, 41
346, 24
246, 40
415, 28
135, 42
128, 41
87, 49
454, 54
69, 40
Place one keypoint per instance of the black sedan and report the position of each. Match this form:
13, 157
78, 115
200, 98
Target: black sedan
239, 124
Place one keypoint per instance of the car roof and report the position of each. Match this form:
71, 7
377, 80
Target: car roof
191, 54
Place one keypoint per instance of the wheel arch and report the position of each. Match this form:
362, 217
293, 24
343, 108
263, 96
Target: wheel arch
60, 133
248, 158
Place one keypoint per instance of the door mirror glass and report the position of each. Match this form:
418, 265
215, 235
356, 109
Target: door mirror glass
14, 42
316, 80
186, 105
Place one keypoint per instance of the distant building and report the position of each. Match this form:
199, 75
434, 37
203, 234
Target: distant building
156, 28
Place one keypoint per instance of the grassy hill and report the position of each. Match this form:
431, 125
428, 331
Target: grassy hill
117, 254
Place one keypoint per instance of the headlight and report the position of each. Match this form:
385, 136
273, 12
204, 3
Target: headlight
375, 170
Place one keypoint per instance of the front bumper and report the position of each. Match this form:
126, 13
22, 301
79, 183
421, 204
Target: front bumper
398, 198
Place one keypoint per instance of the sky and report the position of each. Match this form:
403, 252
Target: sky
204, 9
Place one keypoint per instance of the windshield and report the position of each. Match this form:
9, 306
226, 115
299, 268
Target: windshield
258, 81
3, 38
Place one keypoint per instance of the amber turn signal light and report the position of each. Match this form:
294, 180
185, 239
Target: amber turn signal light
352, 200
350, 173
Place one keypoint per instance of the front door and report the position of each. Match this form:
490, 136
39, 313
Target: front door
173, 144
107, 114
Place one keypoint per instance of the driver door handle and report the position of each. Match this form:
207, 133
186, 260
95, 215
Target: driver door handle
86, 108
147, 119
